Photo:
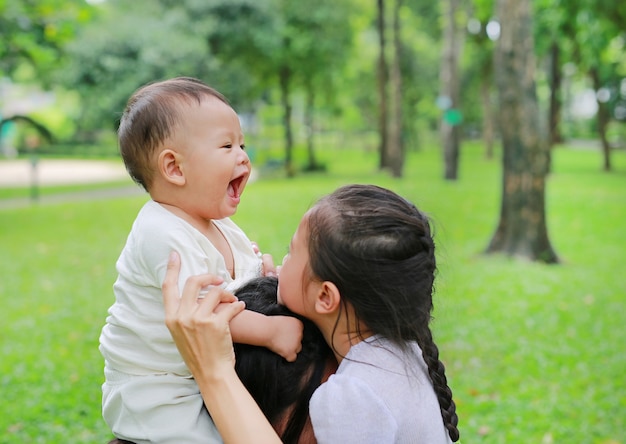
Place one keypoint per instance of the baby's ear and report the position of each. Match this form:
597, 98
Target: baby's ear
328, 298
169, 167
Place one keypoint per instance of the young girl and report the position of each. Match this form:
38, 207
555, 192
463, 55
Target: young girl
361, 266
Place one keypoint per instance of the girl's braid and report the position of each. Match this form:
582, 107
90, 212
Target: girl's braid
430, 352
437, 373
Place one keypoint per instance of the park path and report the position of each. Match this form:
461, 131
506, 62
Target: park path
20, 173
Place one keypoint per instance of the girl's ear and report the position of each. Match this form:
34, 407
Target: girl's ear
328, 299
169, 167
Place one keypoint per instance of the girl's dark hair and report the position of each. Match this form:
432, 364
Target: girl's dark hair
151, 116
275, 384
377, 248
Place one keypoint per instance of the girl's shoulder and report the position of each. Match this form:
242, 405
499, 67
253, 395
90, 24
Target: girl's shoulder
384, 355
345, 409
379, 388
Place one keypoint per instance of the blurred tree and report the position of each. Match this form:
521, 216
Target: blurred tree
450, 129
382, 81
478, 71
242, 47
250, 50
33, 33
395, 146
245, 41
131, 44
522, 227
585, 33
406, 77
597, 25
552, 27
322, 40
420, 63
293, 45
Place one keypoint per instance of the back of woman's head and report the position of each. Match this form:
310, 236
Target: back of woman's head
377, 248
281, 389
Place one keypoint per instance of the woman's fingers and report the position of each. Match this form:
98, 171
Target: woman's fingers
213, 301
195, 287
227, 311
170, 284
199, 325
201, 297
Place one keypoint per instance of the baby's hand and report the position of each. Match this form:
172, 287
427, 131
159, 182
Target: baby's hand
269, 269
287, 337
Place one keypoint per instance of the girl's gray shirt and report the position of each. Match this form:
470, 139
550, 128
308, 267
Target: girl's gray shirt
378, 395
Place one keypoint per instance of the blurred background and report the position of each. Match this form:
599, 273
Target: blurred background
504, 119
295, 70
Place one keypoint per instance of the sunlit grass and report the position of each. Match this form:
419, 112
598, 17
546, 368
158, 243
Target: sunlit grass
535, 353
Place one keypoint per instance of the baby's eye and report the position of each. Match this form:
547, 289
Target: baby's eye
228, 145
243, 146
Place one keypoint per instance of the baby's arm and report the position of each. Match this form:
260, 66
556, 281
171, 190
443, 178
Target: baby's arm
281, 334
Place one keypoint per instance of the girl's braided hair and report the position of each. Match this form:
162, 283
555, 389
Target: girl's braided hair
377, 248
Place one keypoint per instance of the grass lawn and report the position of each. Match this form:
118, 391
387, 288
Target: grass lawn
535, 353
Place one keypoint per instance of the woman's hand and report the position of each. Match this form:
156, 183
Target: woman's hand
202, 334
200, 327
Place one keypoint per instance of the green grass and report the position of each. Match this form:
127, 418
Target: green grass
534, 353
27, 192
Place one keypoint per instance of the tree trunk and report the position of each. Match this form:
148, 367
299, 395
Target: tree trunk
488, 131
309, 126
522, 229
382, 86
449, 79
603, 117
395, 149
555, 95
285, 80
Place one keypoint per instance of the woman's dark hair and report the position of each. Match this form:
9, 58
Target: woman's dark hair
377, 248
280, 387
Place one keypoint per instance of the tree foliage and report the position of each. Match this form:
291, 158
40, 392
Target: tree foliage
292, 47
149, 43
316, 60
33, 34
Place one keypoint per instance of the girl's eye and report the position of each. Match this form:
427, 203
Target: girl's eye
243, 146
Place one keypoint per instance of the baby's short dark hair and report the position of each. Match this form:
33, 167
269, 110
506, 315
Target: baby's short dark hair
151, 116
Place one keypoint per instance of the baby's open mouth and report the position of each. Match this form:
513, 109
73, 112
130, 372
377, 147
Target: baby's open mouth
234, 187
